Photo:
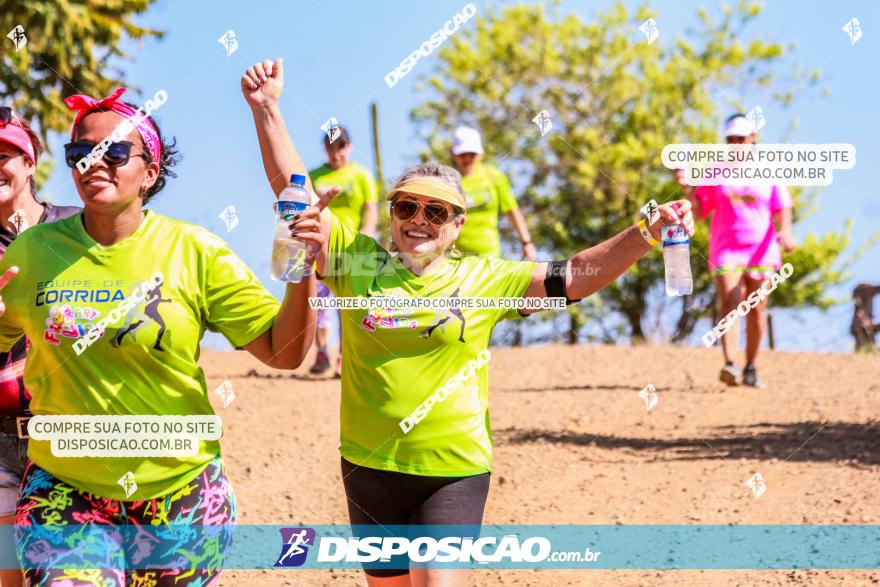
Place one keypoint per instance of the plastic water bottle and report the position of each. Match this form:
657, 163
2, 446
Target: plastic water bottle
677, 260
288, 253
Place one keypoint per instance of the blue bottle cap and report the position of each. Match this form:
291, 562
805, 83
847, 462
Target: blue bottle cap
297, 179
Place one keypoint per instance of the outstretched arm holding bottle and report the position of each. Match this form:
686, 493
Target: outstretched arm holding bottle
598, 266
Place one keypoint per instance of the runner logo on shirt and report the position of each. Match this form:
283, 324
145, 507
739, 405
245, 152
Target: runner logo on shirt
85, 325
442, 317
294, 548
138, 318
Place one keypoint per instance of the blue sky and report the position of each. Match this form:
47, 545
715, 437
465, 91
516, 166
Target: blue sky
336, 54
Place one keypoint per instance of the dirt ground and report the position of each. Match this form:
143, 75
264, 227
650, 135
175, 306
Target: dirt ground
575, 445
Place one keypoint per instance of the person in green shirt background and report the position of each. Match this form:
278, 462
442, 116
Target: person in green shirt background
356, 206
488, 195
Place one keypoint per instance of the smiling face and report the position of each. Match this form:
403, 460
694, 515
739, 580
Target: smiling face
419, 238
15, 172
103, 187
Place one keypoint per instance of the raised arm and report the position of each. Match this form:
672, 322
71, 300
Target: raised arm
596, 267
261, 86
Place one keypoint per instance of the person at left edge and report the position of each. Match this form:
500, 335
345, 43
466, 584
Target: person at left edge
77, 271
20, 150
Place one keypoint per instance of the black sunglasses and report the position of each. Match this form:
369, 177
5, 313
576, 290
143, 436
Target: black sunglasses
6, 115
116, 155
436, 214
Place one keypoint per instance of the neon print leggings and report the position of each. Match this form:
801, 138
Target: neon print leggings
183, 537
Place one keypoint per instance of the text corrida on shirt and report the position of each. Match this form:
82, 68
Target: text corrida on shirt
426, 48
113, 316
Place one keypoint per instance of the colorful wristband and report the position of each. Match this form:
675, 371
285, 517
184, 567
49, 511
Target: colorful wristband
643, 228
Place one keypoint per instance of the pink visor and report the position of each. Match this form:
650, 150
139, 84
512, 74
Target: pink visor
84, 105
17, 137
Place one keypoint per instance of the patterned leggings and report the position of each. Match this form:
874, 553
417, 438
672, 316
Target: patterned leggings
180, 539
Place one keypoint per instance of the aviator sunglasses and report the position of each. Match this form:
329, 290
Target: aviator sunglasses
436, 214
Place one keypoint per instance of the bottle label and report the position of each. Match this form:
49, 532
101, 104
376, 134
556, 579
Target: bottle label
675, 235
286, 209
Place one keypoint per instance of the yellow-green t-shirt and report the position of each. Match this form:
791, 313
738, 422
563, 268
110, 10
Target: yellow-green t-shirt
395, 360
67, 282
358, 188
488, 194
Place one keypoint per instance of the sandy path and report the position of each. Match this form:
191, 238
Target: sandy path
575, 445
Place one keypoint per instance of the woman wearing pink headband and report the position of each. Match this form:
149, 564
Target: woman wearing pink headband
115, 301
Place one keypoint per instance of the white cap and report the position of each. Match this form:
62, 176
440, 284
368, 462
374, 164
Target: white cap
739, 126
466, 140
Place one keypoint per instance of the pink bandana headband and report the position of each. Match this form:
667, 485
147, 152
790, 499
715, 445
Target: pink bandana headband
84, 105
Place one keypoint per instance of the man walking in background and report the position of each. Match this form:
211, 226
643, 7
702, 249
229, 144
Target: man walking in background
355, 206
488, 195
744, 249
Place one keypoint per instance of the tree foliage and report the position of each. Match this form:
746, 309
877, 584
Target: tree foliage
73, 46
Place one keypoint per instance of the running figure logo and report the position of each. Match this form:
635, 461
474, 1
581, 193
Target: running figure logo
18, 38
440, 320
756, 117
853, 30
229, 42
649, 29
331, 128
229, 216
295, 546
129, 485
543, 121
136, 319
757, 485
19, 221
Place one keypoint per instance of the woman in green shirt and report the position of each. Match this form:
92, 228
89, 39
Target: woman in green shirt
415, 439
115, 301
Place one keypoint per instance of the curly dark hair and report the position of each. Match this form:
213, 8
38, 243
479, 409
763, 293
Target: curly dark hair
169, 156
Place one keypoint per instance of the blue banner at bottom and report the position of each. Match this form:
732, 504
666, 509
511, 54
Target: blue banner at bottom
185, 547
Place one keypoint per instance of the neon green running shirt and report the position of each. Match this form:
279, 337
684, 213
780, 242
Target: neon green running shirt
395, 360
146, 362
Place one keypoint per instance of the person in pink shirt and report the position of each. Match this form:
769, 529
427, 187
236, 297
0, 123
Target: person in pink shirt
744, 249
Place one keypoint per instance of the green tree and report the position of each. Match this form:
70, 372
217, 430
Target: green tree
72, 47
614, 100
